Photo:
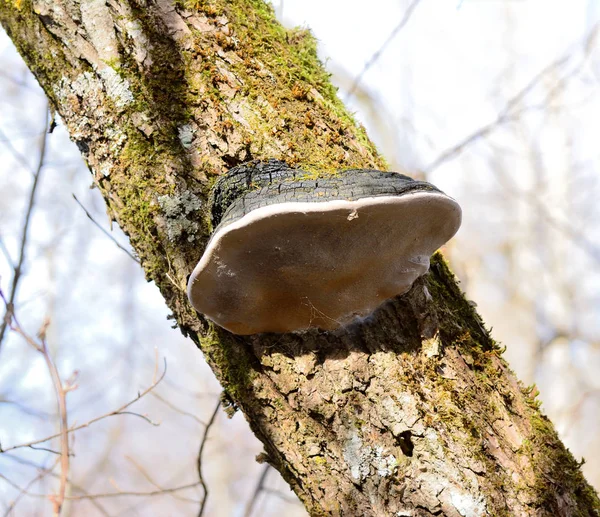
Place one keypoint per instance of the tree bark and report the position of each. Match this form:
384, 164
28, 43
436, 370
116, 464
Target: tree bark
414, 412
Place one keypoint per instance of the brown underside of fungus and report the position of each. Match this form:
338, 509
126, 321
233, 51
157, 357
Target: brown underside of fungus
290, 254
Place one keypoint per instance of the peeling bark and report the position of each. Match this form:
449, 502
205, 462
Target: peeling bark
413, 412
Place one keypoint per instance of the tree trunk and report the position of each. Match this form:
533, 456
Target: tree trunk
414, 412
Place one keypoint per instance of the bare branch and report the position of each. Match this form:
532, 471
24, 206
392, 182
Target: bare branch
200, 452
143, 417
61, 392
43, 472
6, 253
16, 154
24, 409
511, 110
18, 268
373, 59
259, 488
177, 409
14, 485
118, 411
578, 237
61, 400
151, 493
45, 449
104, 231
162, 491
73, 485
148, 478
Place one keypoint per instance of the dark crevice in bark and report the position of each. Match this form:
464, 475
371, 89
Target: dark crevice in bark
411, 411
406, 444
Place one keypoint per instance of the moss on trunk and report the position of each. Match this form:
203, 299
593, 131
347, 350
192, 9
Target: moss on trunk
413, 412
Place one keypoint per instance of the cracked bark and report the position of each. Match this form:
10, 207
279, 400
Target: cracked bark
414, 412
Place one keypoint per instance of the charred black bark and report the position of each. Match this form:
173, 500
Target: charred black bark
412, 412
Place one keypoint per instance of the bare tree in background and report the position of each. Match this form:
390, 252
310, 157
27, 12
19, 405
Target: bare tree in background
412, 413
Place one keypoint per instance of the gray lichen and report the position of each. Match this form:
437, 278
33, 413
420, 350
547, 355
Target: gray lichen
98, 22
117, 88
179, 211
385, 465
467, 505
186, 135
361, 459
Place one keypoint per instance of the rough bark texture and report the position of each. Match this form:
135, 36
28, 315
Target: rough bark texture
413, 412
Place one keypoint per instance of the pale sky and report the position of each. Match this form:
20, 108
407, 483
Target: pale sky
451, 70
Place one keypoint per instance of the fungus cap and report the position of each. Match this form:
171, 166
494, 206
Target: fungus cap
291, 265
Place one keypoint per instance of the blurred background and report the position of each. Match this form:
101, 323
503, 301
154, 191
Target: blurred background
496, 102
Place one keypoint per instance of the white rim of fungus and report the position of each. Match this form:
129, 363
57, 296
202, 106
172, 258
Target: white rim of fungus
303, 207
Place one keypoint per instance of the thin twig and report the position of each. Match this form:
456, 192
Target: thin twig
118, 411
373, 59
148, 478
6, 253
43, 472
61, 392
104, 231
509, 113
61, 400
15, 486
578, 237
259, 488
107, 495
200, 452
143, 417
16, 154
134, 494
24, 409
73, 485
45, 449
18, 268
177, 409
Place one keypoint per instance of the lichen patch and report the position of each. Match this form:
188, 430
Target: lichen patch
98, 23
365, 459
467, 505
117, 88
180, 213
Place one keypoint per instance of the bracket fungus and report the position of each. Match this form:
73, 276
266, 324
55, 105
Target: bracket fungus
289, 253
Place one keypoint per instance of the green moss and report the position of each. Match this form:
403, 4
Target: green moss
531, 394
463, 325
292, 101
287, 86
320, 460
114, 63
557, 471
236, 363
18, 4
137, 189
23, 27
